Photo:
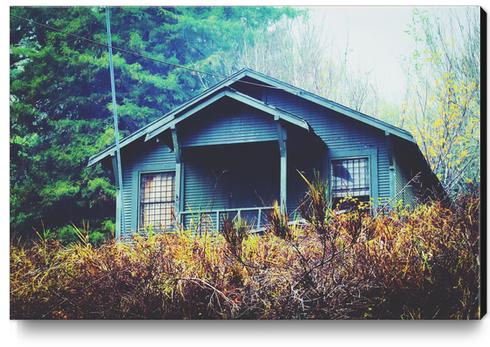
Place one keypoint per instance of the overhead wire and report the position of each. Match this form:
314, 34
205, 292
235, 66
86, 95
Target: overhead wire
136, 53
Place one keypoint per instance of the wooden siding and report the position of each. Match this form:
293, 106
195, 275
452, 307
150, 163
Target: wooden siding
142, 157
227, 123
399, 181
340, 134
405, 170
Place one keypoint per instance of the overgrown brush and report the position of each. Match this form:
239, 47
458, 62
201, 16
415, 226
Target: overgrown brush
420, 264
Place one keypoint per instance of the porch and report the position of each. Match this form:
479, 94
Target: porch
242, 181
239, 181
237, 160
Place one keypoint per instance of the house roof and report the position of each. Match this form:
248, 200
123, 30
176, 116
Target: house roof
362, 117
222, 89
154, 129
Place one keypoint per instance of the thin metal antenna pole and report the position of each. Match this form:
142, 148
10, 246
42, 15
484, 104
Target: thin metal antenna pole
119, 207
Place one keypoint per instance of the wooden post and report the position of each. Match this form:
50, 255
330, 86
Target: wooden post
178, 173
259, 216
392, 169
283, 187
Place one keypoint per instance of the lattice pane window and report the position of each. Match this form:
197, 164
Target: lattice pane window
157, 200
350, 177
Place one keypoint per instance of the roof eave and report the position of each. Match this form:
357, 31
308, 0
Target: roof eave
331, 105
101, 156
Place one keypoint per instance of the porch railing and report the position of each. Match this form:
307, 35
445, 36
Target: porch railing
212, 219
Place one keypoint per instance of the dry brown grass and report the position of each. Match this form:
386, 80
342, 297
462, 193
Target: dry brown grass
410, 265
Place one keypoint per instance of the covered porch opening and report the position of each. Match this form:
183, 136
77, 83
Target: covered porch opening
230, 181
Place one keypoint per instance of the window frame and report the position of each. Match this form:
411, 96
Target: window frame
369, 187
138, 192
372, 157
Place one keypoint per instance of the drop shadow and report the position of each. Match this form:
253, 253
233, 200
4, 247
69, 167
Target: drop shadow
260, 328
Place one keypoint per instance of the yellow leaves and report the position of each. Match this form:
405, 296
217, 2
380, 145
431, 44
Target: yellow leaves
438, 123
432, 152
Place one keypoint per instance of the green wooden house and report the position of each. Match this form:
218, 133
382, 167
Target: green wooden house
237, 147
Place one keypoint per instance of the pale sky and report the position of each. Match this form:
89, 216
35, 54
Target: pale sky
377, 41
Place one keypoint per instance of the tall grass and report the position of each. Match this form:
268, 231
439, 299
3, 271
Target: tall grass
421, 264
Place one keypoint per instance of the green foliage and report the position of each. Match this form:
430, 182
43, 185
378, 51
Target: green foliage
420, 264
97, 238
69, 234
60, 111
